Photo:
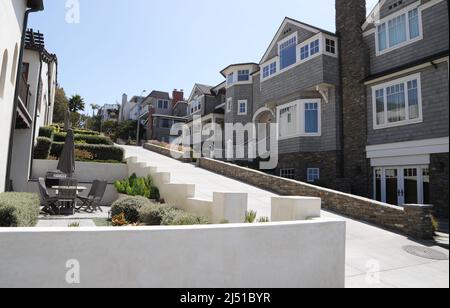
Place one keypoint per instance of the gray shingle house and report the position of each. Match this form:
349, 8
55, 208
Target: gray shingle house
365, 109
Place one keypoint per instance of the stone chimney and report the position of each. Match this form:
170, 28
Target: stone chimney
354, 66
177, 96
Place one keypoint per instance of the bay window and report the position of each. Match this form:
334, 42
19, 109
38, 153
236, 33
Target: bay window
399, 30
315, 47
301, 118
398, 102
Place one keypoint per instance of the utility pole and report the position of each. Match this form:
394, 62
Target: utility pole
141, 100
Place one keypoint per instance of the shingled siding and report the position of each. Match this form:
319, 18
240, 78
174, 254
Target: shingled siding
412, 220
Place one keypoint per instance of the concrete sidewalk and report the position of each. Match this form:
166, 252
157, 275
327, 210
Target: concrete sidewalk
375, 257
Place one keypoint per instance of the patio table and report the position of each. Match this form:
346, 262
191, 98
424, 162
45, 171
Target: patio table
70, 205
78, 188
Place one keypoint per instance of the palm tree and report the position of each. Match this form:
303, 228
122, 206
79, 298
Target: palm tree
94, 108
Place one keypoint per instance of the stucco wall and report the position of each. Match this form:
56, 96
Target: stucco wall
11, 16
297, 254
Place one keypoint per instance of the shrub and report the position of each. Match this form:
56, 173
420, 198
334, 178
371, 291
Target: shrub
250, 217
263, 220
46, 132
85, 132
19, 209
83, 155
153, 214
134, 186
186, 219
130, 207
99, 152
89, 139
42, 148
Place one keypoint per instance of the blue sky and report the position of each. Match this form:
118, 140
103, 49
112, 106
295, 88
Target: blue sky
126, 46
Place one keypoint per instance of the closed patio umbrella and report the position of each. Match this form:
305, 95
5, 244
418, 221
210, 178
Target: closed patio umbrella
67, 121
66, 162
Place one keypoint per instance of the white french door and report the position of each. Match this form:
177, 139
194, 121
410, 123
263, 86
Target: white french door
402, 185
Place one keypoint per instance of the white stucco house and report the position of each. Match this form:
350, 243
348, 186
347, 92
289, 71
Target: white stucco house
37, 89
13, 19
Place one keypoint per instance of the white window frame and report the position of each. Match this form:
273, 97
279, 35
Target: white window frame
408, 41
229, 104
163, 101
243, 70
290, 37
287, 173
309, 175
301, 123
384, 86
245, 102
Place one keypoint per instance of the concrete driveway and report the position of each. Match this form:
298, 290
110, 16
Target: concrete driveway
375, 257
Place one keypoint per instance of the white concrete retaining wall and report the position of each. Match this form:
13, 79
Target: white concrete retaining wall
225, 206
295, 208
85, 173
296, 254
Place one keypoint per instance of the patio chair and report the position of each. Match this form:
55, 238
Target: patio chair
49, 203
89, 197
92, 204
68, 193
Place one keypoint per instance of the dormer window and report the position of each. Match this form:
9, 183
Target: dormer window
288, 52
315, 47
270, 69
243, 75
398, 31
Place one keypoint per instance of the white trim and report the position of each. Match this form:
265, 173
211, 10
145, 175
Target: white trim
300, 104
284, 172
242, 101
408, 41
261, 110
423, 159
383, 87
408, 148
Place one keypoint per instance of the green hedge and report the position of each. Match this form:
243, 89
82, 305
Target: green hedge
46, 132
42, 148
134, 186
85, 132
89, 139
99, 152
19, 209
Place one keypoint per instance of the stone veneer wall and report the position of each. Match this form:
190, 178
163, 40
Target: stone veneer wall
350, 16
439, 169
412, 220
166, 152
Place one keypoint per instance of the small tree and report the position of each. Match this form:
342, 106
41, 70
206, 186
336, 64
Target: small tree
61, 105
94, 107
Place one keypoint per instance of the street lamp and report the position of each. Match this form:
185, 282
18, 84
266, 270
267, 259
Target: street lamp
139, 106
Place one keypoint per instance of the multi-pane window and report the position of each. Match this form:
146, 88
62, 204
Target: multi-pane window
311, 118
269, 70
242, 107
398, 30
304, 52
165, 123
288, 53
163, 104
379, 97
330, 46
243, 75
313, 174
315, 47
397, 102
287, 173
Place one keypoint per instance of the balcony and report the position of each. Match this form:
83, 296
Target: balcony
24, 119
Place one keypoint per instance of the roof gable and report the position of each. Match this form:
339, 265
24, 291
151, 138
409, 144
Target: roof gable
283, 32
